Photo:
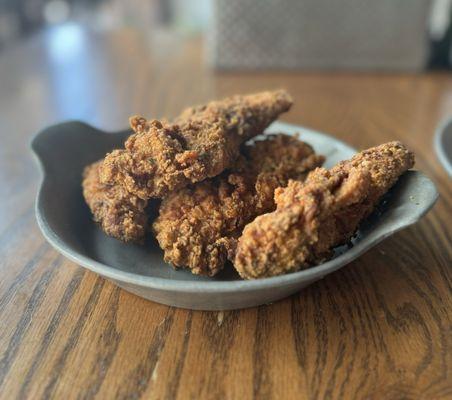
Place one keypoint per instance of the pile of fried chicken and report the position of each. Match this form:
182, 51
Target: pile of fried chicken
266, 205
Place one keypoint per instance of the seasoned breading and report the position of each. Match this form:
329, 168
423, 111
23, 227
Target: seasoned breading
119, 213
162, 157
323, 212
234, 119
198, 225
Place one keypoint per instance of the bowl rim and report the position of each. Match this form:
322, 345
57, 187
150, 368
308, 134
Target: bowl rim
165, 284
440, 132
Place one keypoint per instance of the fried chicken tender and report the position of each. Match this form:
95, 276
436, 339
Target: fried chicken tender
203, 141
119, 213
323, 212
198, 225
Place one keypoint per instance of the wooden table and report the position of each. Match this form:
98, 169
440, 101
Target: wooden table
379, 328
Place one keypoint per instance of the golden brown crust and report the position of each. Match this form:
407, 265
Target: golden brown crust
323, 212
198, 225
119, 213
161, 157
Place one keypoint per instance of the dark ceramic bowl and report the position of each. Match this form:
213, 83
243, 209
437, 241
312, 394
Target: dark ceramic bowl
64, 150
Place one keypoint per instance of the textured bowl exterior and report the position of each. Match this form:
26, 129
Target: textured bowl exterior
64, 150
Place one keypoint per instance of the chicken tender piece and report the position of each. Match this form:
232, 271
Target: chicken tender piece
109, 201
197, 226
162, 157
313, 217
119, 213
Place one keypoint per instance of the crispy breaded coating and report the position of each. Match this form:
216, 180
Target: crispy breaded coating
198, 225
119, 213
323, 212
161, 157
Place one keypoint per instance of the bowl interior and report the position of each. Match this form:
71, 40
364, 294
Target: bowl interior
64, 150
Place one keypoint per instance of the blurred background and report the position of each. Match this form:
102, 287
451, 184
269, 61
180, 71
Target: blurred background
103, 60
345, 34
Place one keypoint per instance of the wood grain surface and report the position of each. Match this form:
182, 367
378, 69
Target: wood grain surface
378, 329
